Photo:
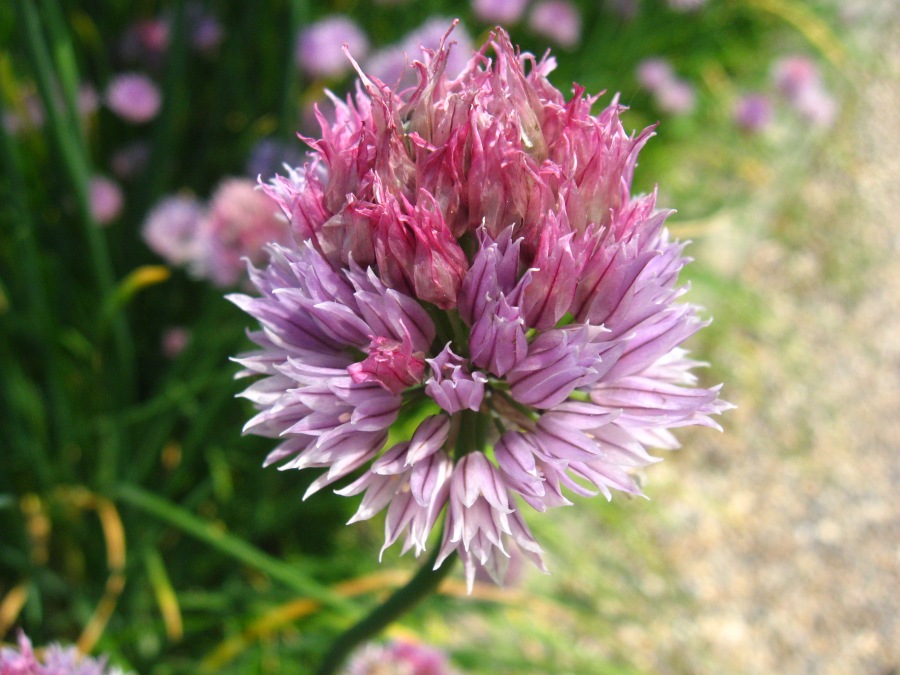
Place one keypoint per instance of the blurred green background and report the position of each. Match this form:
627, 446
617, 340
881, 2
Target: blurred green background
135, 519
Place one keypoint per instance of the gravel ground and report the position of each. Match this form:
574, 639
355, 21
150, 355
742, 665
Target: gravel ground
784, 533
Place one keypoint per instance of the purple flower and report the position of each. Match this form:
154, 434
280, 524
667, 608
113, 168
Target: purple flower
558, 20
676, 98
56, 660
399, 658
171, 229
319, 50
655, 73
671, 94
753, 112
470, 263
798, 80
133, 97
499, 11
106, 199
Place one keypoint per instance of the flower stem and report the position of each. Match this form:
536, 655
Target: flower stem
403, 600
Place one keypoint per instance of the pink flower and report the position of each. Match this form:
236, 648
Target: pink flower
106, 199
399, 658
390, 64
171, 229
798, 80
391, 364
133, 97
499, 11
319, 50
655, 73
240, 221
471, 242
558, 20
676, 98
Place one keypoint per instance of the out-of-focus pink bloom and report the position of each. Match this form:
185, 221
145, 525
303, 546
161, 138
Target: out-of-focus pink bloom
792, 75
55, 660
319, 51
558, 20
106, 199
133, 97
399, 658
670, 93
753, 112
146, 41
174, 341
817, 105
798, 80
240, 221
129, 160
171, 229
654, 73
499, 11
676, 98
153, 34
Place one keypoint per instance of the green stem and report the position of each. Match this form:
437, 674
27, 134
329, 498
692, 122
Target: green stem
77, 166
39, 304
290, 110
423, 584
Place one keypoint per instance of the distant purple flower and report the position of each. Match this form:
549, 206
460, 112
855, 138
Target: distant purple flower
172, 228
753, 112
469, 262
399, 658
319, 50
795, 74
499, 11
56, 660
676, 98
106, 199
654, 73
558, 20
133, 97
670, 93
